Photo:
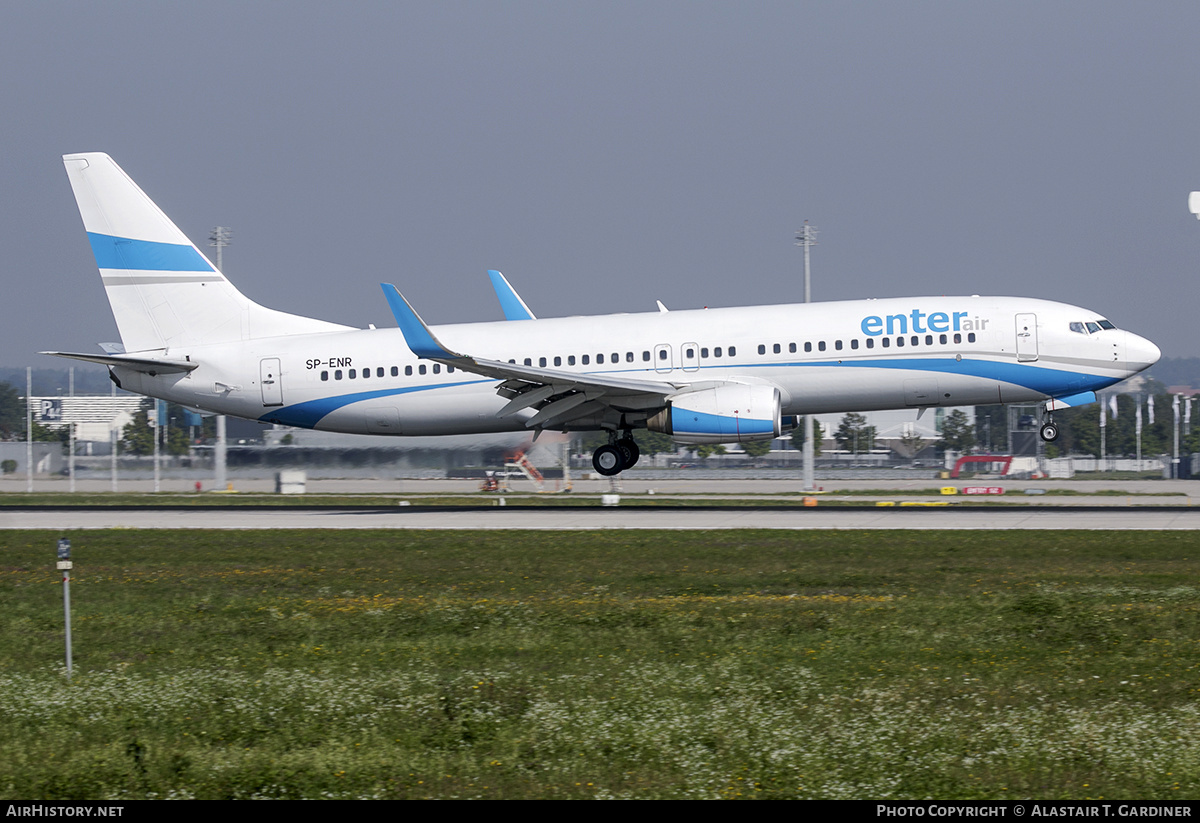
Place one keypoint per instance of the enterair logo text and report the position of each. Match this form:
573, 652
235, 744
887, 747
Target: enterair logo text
919, 322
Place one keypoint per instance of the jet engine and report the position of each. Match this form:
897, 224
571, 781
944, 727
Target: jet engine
727, 413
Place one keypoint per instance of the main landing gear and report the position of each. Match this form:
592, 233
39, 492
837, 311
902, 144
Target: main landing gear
617, 456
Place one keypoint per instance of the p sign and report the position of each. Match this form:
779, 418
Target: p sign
50, 411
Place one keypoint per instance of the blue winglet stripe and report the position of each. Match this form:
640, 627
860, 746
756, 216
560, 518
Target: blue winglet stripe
510, 304
144, 255
416, 334
1081, 399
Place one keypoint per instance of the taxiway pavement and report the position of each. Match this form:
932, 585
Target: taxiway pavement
514, 517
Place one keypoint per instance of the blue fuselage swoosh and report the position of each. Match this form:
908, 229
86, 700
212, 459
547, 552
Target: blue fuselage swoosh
308, 414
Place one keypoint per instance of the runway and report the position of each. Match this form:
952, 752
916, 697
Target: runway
571, 519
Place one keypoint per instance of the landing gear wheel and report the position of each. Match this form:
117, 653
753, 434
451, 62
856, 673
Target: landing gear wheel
1049, 432
629, 452
608, 460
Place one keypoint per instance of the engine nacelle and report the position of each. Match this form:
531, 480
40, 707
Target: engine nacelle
729, 413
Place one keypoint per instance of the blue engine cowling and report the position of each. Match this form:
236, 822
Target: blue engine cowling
729, 413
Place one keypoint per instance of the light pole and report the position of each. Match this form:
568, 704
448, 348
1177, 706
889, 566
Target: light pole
1138, 431
220, 238
806, 238
1103, 436
1175, 455
29, 429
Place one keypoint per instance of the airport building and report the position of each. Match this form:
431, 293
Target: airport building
95, 417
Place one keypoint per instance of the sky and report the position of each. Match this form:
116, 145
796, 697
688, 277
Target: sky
604, 155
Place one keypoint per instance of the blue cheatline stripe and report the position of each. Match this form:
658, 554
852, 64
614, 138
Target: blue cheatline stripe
510, 304
144, 255
308, 414
1045, 380
1050, 382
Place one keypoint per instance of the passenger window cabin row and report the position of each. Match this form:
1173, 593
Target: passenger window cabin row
884, 343
614, 358
689, 353
364, 374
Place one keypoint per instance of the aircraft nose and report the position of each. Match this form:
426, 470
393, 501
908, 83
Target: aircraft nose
1140, 353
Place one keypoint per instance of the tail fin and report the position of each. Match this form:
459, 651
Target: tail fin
163, 291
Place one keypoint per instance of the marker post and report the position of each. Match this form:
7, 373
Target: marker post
64, 566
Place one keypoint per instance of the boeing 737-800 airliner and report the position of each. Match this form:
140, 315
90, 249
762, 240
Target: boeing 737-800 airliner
703, 376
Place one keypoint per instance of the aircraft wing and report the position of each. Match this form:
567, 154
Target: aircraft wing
561, 396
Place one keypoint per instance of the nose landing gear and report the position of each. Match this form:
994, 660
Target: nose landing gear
1048, 431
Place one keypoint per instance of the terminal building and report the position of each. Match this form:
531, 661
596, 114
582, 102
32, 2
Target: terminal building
98, 419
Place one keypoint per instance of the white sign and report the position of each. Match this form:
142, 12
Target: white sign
50, 411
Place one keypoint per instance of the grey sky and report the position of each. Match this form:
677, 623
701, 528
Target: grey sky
604, 155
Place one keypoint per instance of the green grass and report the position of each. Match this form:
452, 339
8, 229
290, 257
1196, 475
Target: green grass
615, 664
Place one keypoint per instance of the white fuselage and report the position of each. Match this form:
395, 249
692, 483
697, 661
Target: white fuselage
858, 355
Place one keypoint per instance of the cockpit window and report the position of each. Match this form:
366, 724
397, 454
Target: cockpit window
1091, 326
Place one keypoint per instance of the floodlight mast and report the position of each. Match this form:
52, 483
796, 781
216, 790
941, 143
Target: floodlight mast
807, 238
1194, 208
220, 238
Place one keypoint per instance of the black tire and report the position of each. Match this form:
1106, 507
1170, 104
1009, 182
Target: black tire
1049, 432
608, 460
629, 452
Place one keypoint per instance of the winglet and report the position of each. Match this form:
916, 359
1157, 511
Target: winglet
418, 336
511, 304
1081, 399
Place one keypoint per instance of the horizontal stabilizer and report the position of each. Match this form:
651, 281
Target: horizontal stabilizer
149, 365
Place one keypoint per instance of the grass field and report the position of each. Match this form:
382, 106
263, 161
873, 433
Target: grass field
772, 664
